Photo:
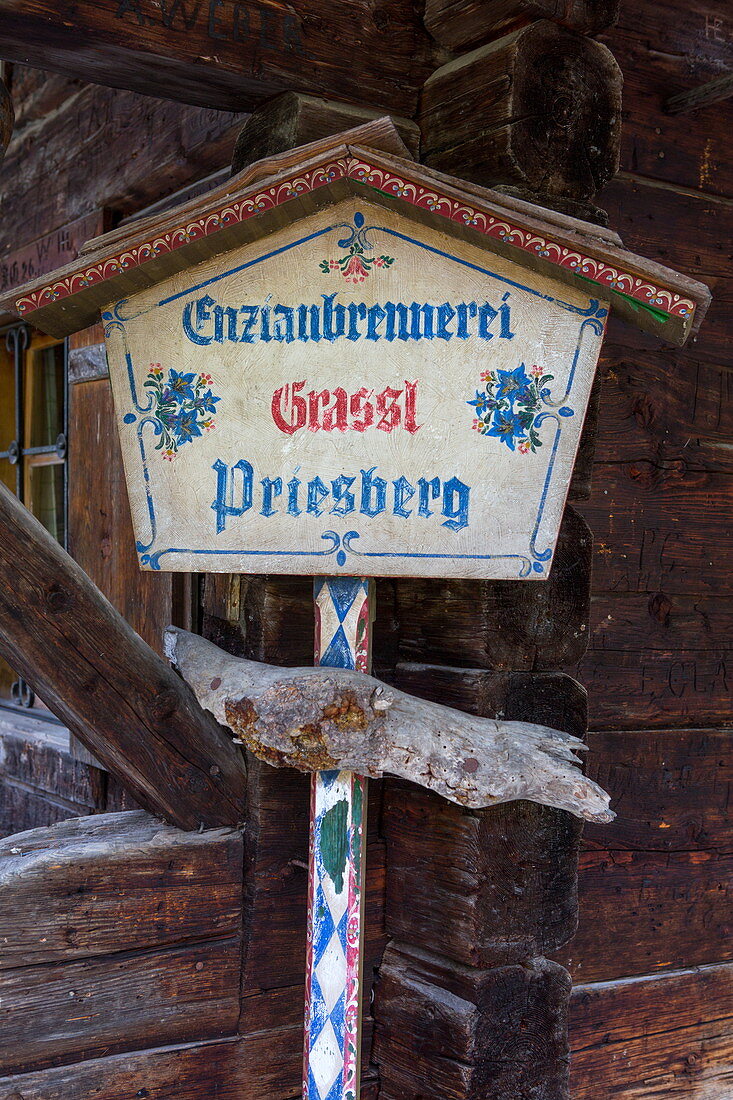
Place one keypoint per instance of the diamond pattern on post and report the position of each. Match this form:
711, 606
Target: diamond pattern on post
335, 872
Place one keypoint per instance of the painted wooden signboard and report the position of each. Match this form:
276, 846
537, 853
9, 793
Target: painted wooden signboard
355, 393
342, 364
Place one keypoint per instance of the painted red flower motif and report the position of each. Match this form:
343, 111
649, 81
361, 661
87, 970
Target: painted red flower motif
355, 270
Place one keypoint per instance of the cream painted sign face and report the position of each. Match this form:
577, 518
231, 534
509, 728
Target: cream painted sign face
353, 394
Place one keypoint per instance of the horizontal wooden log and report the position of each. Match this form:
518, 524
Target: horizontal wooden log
647, 911
7, 118
196, 1071
462, 24
671, 788
248, 1068
130, 710
40, 781
540, 107
648, 42
104, 148
110, 883
666, 408
71, 1011
315, 719
506, 624
662, 1037
223, 53
704, 95
499, 1033
50, 251
291, 120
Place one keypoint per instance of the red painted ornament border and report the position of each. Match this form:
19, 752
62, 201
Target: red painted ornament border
400, 186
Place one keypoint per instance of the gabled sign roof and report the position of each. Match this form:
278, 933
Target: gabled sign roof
274, 192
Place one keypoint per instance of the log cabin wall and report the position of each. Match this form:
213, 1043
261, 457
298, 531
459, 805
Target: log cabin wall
650, 1015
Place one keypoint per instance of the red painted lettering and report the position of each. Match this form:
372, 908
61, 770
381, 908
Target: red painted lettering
336, 410
289, 409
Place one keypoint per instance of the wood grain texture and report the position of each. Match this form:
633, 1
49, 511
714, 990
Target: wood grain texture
462, 24
131, 710
499, 1033
671, 788
104, 148
224, 54
489, 887
73, 1011
196, 1071
335, 718
40, 781
503, 625
48, 252
100, 529
7, 118
290, 120
680, 151
540, 107
227, 1069
111, 883
655, 1038
677, 913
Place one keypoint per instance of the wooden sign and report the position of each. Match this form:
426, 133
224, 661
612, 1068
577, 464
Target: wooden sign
353, 393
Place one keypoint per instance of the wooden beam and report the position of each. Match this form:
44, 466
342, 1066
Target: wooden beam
99, 677
461, 24
499, 1033
539, 108
121, 933
291, 120
229, 54
103, 877
714, 91
7, 118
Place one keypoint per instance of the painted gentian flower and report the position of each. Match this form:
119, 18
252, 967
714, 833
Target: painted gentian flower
482, 403
206, 402
513, 384
181, 384
185, 427
507, 427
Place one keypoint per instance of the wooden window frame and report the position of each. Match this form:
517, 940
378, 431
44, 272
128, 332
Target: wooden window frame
20, 341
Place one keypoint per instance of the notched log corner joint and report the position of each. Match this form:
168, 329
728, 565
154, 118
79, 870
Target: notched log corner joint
317, 718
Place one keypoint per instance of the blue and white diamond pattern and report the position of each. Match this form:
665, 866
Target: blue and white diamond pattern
331, 1054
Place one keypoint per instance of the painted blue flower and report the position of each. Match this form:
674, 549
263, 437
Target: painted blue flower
181, 385
483, 403
506, 426
185, 426
206, 402
513, 384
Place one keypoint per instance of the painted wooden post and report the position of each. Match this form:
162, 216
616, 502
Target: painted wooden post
343, 611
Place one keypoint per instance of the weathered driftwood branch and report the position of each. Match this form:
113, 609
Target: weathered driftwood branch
316, 718
99, 677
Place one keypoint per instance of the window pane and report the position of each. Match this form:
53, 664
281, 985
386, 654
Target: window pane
46, 497
7, 398
44, 396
